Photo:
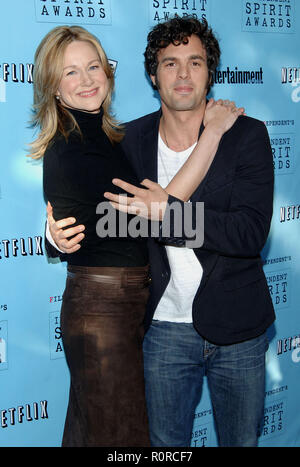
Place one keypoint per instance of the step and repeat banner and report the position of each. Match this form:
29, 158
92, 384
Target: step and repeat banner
259, 69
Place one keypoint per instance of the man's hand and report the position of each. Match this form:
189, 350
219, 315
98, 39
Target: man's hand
61, 236
149, 203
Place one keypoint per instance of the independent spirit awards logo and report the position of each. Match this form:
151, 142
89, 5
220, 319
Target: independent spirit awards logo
283, 143
55, 337
268, 16
269, 262
73, 11
163, 10
275, 415
283, 151
279, 287
284, 124
274, 419
202, 429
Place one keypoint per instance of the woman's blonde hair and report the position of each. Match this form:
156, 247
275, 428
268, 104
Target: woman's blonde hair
49, 115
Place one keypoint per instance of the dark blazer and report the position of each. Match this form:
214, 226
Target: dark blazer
232, 303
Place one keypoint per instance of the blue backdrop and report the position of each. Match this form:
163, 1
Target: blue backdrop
260, 69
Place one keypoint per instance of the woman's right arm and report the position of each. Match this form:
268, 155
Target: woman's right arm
218, 119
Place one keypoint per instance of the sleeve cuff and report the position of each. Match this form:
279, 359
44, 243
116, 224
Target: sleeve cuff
50, 239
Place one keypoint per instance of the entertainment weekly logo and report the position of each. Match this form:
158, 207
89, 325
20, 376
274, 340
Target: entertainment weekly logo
163, 10
73, 11
237, 76
268, 16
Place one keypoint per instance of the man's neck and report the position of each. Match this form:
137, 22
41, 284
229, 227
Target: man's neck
180, 129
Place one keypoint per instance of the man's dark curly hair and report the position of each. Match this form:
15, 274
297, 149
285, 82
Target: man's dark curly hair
177, 31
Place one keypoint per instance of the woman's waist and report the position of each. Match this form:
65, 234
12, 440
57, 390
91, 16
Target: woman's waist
124, 276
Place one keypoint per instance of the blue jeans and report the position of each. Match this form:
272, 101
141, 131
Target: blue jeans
176, 358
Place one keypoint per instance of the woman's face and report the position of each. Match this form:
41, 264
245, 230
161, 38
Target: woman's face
84, 84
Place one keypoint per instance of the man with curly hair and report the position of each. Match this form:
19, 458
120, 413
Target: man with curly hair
209, 306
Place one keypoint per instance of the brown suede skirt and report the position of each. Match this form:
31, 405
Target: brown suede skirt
102, 329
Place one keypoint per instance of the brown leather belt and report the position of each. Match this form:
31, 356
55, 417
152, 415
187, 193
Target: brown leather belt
124, 276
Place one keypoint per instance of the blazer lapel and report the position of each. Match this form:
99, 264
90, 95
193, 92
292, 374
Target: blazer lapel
149, 147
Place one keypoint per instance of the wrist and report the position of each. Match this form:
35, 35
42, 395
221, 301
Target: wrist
214, 129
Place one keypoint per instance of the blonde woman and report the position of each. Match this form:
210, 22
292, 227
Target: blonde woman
106, 289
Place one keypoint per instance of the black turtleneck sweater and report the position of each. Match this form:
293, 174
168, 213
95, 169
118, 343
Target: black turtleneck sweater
76, 174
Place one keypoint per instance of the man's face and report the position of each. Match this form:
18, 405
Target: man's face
182, 75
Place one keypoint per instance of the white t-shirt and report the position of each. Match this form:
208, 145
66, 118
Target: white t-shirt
186, 272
